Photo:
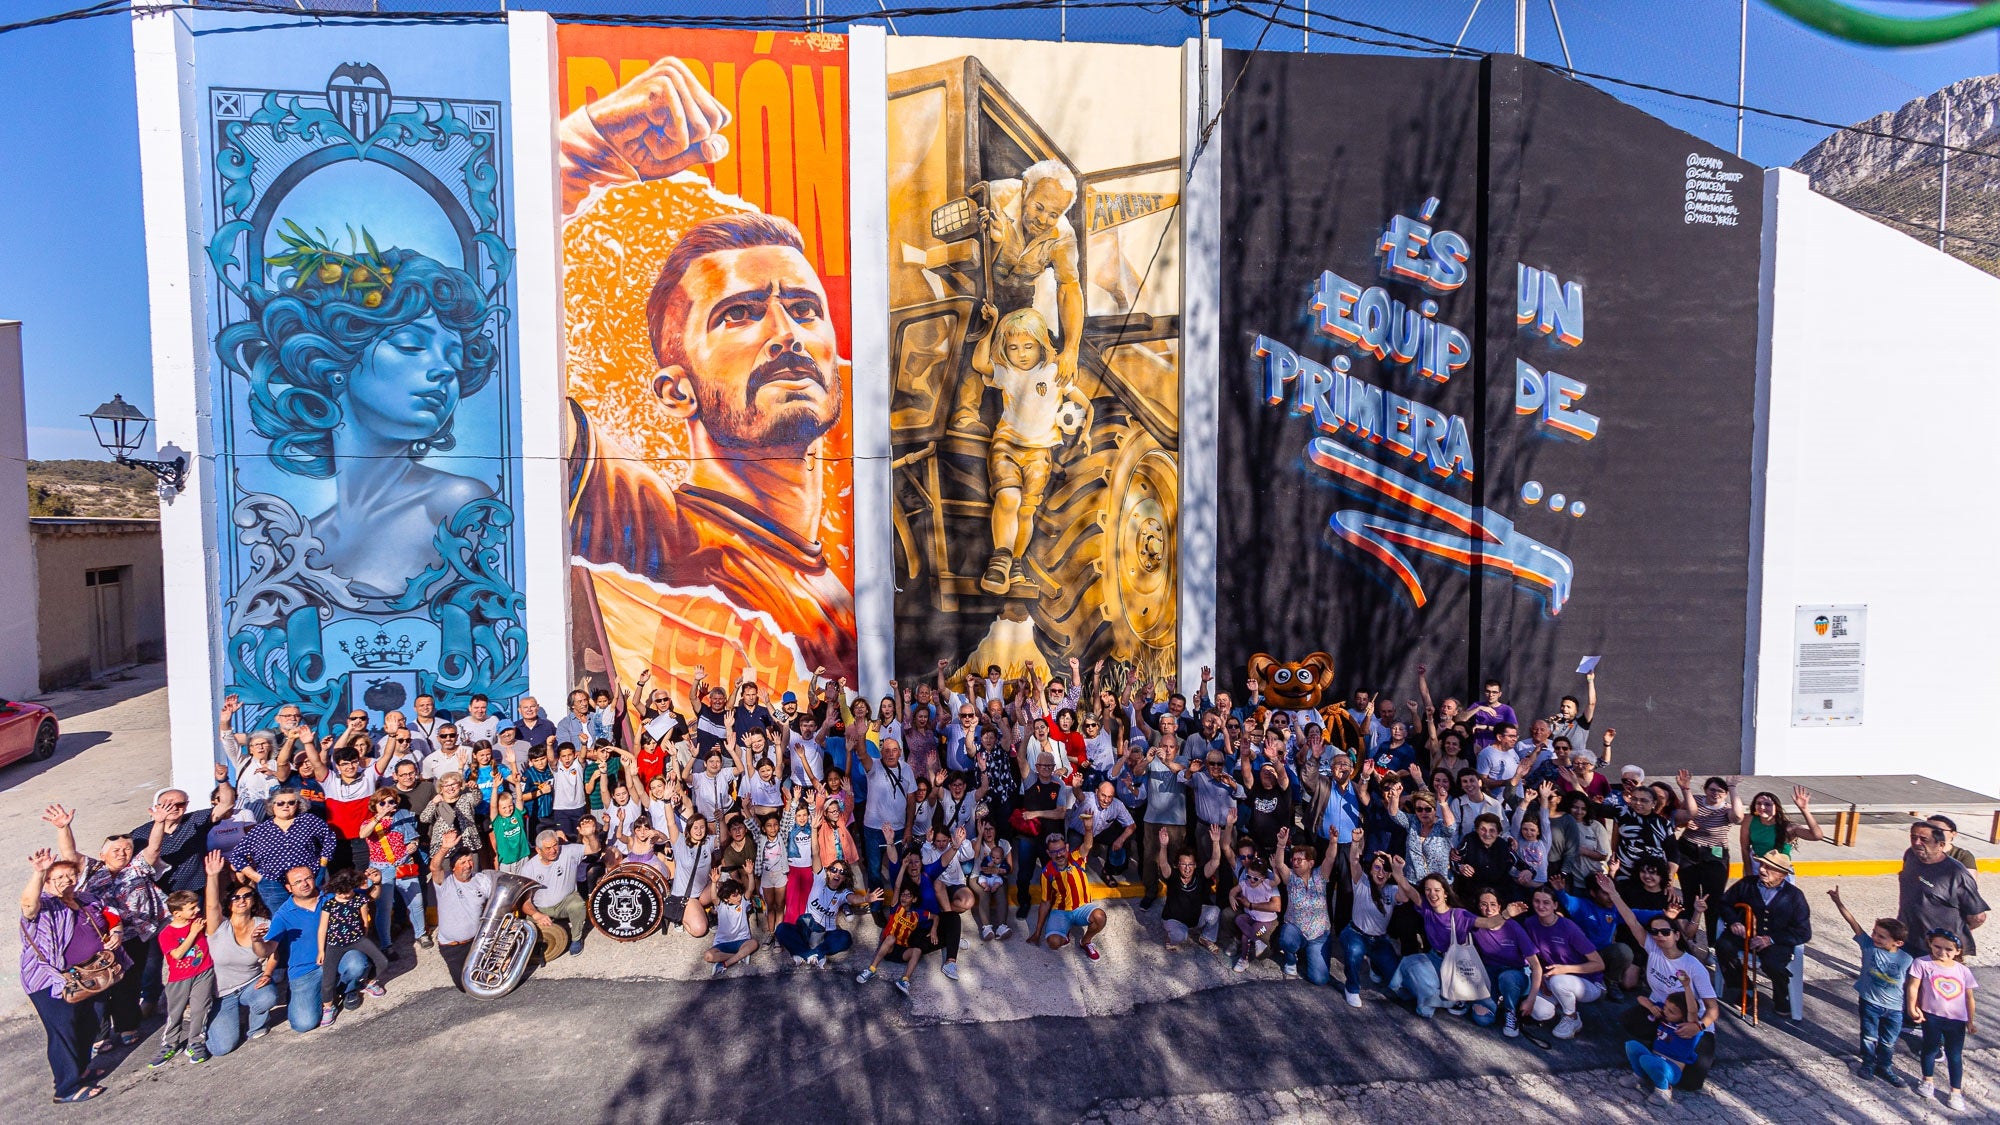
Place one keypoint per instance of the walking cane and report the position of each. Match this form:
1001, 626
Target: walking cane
1748, 1004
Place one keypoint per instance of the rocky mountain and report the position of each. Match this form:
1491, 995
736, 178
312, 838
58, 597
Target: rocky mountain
1896, 178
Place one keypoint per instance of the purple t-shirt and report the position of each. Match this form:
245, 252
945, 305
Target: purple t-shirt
1563, 944
1505, 948
1439, 928
1486, 723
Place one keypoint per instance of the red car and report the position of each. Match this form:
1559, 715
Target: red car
27, 730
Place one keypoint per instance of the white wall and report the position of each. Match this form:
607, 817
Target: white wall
19, 660
1883, 386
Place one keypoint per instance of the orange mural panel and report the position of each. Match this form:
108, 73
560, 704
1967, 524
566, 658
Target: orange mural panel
706, 295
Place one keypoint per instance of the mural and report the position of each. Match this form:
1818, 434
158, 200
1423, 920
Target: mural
365, 392
1035, 352
1416, 421
704, 193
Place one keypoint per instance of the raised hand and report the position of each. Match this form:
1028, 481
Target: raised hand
1801, 796
1683, 779
213, 863
58, 817
1834, 894
160, 813
449, 839
42, 860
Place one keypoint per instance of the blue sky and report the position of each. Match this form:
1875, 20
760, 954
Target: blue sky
72, 264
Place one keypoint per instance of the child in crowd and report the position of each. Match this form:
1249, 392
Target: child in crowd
1676, 1042
733, 943
1939, 996
1884, 966
512, 844
345, 912
190, 989
909, 933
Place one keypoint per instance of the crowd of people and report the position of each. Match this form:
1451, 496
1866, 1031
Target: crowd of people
1442, 855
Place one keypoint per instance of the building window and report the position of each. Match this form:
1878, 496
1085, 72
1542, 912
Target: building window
107, 576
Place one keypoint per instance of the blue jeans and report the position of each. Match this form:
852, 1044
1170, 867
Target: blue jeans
410, 892
804, 938
1879, 1029
272, 890
1416, 978
225, 1028
873, 841
304, 1008
1662, 1072
1358, 952
1291, 941
1510, 985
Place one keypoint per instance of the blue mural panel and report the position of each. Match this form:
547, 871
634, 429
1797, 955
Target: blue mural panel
364, 366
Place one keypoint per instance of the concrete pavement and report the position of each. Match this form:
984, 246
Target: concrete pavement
637, 1033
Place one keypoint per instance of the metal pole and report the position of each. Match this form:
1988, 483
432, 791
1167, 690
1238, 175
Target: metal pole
1204, 66
1561, 39
1742, 64
1944, 171
1466, 26
1308, 21
1521, 27
1062, 15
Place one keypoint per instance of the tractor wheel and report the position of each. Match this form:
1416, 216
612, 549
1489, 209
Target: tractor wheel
1104, 552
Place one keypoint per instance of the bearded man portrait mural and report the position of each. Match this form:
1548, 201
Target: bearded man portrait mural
703, 187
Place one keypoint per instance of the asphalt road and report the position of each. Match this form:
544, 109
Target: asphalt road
816, 1047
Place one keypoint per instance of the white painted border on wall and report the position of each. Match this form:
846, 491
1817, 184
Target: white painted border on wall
868, 289
20, 647
543, 530
183, 394
1201, 280
1864, 320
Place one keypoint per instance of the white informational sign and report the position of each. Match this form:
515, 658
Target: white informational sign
1829, 656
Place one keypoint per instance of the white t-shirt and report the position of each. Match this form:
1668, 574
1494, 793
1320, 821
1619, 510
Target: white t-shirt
732, 923
808, 762
568, 781
1367, 919
254, 782
953, 872
888, 793
691, 865
437, 765
557, 876
364, 783
1499, 765
1660, 975
624, 817
761, 793
1101, 750
471, 731
460, 904
1028, 402
824, 903
712, 793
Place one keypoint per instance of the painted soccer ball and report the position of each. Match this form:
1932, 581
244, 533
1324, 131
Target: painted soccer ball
1069, 417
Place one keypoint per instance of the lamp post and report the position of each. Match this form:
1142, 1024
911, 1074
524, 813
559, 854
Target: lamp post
120, 427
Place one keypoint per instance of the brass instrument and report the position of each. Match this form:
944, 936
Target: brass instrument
506, 942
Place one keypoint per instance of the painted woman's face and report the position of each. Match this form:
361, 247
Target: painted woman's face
406, 386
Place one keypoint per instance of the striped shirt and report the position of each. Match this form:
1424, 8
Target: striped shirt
902, 924
1065, 887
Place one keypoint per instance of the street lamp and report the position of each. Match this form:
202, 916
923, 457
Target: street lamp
120, 427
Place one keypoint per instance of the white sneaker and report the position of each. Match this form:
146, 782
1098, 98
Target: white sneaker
1001, 931
1661, 1097
1567, 1027
798, 960
1927, 1089
816, 961
1242, 964
951, 970
986, 933
1291, 970
1353, 999
1957, 1100
1510, 1024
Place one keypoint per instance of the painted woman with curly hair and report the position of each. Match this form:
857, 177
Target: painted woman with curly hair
357, 364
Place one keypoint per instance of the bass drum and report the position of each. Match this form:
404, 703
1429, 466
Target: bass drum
629, 902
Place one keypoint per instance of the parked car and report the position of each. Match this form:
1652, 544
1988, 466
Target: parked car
27, 730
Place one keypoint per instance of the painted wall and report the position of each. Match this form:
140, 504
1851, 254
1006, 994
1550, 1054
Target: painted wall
1427, 462
19, 676
710, 426
356, 270
1848, 502
1034, 334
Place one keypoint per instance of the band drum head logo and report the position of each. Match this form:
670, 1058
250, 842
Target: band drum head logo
628, 905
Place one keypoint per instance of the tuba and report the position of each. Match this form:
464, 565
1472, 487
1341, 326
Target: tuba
500, 954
